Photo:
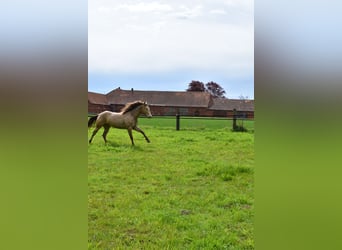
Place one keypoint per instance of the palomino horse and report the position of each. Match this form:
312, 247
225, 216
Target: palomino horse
126, 119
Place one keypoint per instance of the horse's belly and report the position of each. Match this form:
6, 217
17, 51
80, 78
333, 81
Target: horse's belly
119, 123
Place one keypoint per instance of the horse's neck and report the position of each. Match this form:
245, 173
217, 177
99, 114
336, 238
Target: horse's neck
135, 113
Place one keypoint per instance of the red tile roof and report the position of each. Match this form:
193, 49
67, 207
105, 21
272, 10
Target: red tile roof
231, 104
171, 98
160, 98
96, 98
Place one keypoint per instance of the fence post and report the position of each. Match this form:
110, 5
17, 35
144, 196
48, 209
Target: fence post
234, 119
177, 121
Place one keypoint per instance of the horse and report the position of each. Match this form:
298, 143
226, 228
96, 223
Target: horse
127, 118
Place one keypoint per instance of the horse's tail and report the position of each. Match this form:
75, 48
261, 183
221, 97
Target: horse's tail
91, 121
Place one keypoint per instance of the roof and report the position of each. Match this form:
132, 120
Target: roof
231, 104
96, 98
171, 98
160, 98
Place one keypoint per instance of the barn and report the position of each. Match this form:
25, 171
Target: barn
223, 107
170, 103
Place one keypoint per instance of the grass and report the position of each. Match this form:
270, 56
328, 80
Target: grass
194, 123
187, 189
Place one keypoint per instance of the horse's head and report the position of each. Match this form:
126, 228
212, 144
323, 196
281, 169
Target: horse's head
146, 110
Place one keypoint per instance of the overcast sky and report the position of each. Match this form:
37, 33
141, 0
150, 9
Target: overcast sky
163, 45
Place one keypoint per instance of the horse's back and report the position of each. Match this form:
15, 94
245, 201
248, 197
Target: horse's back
104, 116
113, 119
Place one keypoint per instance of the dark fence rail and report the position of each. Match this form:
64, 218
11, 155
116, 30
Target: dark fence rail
195, 123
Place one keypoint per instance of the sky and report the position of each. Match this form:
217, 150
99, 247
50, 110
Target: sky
164, 45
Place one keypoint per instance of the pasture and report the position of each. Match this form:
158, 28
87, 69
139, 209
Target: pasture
187, 189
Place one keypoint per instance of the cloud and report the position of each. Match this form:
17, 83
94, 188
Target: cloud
218, 12
185, 12
144, 7
160, 36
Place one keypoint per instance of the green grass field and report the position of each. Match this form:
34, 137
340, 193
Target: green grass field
187, 189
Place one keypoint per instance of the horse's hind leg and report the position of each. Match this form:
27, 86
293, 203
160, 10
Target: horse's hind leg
139, 130
94, 133
130, 135
105, 132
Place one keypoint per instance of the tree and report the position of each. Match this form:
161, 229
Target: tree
196, 86
212, 88
215, 89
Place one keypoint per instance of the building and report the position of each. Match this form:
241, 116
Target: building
170, 103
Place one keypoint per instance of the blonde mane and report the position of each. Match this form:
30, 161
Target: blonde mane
130, 106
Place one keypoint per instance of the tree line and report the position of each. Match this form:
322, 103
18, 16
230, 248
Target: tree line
212, 88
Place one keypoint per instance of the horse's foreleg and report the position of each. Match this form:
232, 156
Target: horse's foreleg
139, 130
105, 132
94, 133
130, 135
